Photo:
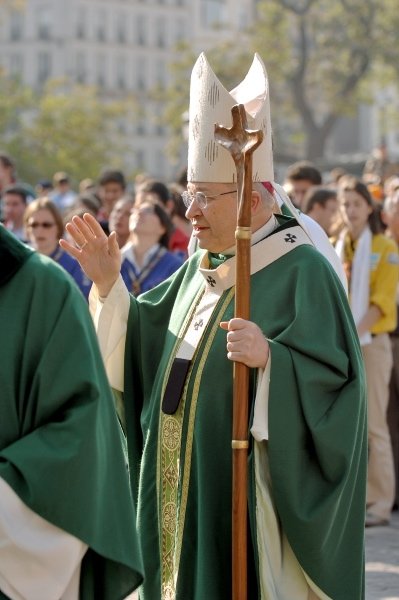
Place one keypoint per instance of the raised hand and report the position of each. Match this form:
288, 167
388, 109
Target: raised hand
246, 343
98, 255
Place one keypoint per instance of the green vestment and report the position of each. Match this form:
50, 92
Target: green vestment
317, 447
61, 448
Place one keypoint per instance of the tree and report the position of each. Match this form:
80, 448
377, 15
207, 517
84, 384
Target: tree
15, 99
326, 52
319, 55
64, 127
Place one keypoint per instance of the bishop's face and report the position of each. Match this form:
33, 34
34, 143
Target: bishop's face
214, 224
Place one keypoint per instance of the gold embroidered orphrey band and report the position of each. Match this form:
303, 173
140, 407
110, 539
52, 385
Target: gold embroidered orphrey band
172, 480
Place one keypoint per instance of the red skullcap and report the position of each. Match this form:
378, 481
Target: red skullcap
269, 186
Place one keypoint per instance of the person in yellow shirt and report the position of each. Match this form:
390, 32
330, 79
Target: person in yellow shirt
371, 263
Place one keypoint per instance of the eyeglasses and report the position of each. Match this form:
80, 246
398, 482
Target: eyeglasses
45, 225
202, 200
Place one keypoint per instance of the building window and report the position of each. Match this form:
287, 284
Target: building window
180, 31
101, 71
81, 67
16, 66
43, 22
160, 29
212, 12
16, 25
141, 74
121, 29
101, 20
43, 67
121, 73
141, 30
81, 24
160, 74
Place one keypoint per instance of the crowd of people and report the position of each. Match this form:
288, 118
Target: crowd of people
312, 353
153, 233
149, 220
360, 214
150, 226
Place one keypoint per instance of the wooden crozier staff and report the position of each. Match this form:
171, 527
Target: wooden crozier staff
241, 143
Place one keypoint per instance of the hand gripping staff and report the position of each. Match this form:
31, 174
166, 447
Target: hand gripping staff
241, 143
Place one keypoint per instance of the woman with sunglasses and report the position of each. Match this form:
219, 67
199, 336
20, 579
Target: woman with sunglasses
44, 227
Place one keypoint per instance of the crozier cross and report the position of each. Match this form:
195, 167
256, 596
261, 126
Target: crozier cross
241, 143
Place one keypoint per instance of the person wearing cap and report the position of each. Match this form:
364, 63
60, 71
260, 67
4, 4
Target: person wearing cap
67, 525
43, 188
170, 353
62, 195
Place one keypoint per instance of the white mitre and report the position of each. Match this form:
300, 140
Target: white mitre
211, 103
209, 162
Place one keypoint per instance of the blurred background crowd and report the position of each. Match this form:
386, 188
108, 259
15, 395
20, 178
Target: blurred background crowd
91, 84
148, 218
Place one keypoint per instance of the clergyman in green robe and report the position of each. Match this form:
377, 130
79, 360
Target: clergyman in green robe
169, 354
67, 520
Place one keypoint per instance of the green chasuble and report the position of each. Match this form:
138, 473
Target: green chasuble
61, 448
317, 447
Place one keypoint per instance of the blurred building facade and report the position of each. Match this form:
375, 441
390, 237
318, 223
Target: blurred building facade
125, 46
120, 46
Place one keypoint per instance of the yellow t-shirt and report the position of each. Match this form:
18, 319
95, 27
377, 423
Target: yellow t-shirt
384, 276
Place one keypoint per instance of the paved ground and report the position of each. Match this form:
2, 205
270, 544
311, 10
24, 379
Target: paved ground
382, 562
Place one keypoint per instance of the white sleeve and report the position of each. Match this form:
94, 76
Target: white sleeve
110, 319
260, 425
38, 561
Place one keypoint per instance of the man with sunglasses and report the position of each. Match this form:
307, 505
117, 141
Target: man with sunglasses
171, 351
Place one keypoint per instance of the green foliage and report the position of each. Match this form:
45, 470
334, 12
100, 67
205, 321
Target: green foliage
320, 53
14, 100
65, 127
320, 56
